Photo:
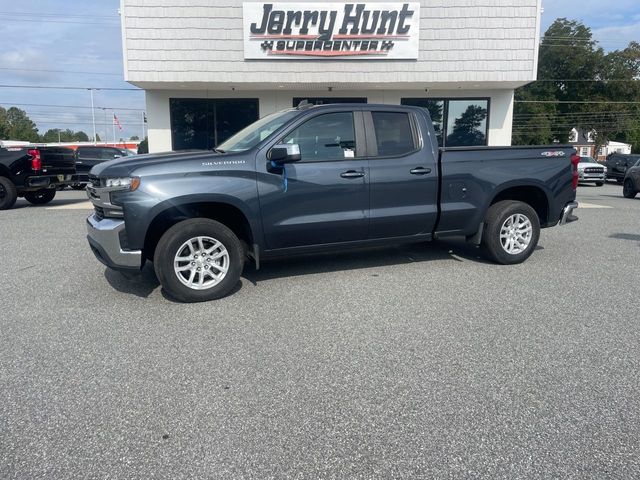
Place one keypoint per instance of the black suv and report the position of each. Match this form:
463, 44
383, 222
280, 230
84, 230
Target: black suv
617, 165
631, 185
89, 156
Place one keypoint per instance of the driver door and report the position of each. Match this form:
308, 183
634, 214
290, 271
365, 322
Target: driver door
324, 197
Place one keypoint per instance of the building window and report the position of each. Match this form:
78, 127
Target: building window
203, 123
584, 151
326, 100
394, 136
458, 122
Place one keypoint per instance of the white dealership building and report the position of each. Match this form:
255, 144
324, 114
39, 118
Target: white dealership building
209, 67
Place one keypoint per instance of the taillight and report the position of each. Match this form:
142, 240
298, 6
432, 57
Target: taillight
575, 160
36, 160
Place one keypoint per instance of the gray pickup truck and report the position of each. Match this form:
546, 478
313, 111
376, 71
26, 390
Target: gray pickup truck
316, 178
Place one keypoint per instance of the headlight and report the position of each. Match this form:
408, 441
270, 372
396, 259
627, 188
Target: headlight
128, 183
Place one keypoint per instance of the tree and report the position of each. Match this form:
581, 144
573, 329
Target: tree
55, 134
572, 68
466, 128
4, 124
134, 138
80, 136
143, 146
18, 126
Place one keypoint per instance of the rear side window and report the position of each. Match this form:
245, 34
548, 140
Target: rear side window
89, 152
394, 135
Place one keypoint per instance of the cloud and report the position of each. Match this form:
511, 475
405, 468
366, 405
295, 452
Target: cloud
618, 37
25, 63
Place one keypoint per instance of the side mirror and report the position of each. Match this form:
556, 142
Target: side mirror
285, 153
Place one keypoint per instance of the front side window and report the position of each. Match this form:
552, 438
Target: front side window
394, 135
325, 138
256, 132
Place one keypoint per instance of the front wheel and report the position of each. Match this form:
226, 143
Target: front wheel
198, 260
599, 184
40, 197
627, 189
511, 233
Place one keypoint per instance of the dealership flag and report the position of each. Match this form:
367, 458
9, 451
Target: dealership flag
116, 122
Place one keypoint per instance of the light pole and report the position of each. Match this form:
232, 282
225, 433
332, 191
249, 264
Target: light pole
93, 117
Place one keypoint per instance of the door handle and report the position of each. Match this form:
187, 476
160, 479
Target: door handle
352, 174
420, 171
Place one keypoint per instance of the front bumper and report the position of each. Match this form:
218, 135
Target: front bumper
104, 239
592, 177
567, 214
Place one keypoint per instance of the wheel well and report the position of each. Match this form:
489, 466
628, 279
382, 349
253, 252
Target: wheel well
533, 196
228, 215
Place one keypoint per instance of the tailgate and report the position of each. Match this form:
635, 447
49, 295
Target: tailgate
58, 160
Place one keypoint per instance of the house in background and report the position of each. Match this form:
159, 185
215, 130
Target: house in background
585, 144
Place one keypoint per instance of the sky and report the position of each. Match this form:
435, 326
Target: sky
78, 43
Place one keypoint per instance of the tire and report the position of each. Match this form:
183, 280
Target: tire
8, 194
40, 197
599, 184
496, 220
174, 243
627, 189
619, 180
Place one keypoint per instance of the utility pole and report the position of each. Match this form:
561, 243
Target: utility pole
142, 137
93, 117
113, 126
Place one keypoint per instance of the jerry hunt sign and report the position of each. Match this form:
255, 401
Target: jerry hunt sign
335, 31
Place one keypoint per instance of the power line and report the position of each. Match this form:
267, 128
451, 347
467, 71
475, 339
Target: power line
72, 88
58, 71
70, 106
88, 15
40, 20
577, 102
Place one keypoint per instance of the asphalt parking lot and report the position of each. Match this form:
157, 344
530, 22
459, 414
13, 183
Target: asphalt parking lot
421, 361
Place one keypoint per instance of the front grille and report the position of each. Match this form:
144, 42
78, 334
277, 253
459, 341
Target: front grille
594, 170
99, 212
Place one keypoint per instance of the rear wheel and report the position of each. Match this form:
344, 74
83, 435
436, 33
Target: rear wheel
599, 184
628, 190
512, 231
8, 193
198, 260
40, 197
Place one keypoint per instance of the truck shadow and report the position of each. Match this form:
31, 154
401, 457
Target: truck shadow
455, 250
22, 203
371, 258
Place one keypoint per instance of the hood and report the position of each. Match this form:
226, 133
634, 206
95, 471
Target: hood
582, 166
125, 166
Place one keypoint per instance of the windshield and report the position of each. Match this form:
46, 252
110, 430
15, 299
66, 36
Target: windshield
250, 136
587, 160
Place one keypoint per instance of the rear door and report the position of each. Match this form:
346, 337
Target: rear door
323, 198
403, 175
